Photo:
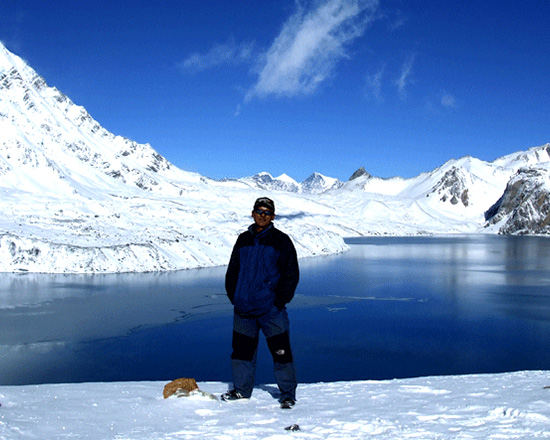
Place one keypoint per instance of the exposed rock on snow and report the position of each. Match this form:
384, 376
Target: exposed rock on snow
524, 208
358, 173
452, 187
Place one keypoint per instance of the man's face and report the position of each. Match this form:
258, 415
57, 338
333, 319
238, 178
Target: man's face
262, 217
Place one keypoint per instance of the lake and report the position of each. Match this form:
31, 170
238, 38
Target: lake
391, 307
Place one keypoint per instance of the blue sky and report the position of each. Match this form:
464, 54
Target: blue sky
229, 88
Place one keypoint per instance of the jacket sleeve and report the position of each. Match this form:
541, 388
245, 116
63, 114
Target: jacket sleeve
290, 274
232, 274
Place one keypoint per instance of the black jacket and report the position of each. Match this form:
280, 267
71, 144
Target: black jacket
262, 273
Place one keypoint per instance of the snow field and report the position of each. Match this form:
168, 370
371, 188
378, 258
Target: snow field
496, 406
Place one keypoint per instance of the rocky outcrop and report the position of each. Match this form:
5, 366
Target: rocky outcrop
358, 173
524, 208
452, 187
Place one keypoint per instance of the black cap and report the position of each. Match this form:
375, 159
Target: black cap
265, 202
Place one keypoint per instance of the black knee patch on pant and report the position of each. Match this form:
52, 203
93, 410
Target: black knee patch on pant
279, 346
244, 347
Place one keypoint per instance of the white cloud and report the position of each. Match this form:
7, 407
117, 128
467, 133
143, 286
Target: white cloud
374, 84
237, 111
397, 21
442, 101
448, 101
228, 53
309, 45
404, 79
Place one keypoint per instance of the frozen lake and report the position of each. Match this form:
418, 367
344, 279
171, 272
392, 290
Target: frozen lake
391, 307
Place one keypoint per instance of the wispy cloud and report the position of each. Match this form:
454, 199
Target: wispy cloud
374, 84
405, 78
448, 101
228, 53
309, 46
237, 111
397, 20
442, 101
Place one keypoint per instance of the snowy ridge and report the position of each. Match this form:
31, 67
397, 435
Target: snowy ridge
504, 406
314, 184
266, 181
77, 198
450, 199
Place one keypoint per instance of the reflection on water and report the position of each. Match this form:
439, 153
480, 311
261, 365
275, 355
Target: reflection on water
390, 307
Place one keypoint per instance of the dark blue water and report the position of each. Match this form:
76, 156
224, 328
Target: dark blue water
391, 307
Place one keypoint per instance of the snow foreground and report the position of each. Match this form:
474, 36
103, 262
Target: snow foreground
503, 406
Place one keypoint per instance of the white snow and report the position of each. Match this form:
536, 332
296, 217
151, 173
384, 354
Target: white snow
286, 178
496, 406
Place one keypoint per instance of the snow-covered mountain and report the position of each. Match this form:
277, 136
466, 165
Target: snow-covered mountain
266, 181
314, 184
317, 183
77, 198
451, 198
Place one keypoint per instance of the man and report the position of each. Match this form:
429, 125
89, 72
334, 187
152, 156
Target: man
261, 279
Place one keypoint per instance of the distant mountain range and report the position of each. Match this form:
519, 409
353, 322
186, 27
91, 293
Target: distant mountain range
77, 198
314, 184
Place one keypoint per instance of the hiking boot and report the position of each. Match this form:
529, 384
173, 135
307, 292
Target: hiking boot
232, 395
287, 403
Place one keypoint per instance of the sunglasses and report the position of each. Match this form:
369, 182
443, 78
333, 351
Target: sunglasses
264, 212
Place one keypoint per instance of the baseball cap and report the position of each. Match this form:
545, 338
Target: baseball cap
265, 202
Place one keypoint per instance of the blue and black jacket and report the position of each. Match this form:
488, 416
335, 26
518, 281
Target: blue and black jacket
262, 273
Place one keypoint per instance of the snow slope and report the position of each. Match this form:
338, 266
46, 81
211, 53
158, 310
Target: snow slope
496, 406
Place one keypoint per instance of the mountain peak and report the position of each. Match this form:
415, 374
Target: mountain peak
317, 183
5, 57
358, 173
45, 133
286, 178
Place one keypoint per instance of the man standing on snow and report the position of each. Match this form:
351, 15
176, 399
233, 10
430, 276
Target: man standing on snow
261, 279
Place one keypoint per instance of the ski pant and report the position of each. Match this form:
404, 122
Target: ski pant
246, 332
